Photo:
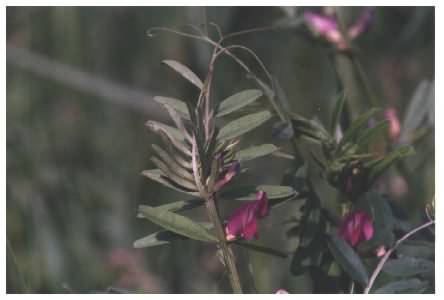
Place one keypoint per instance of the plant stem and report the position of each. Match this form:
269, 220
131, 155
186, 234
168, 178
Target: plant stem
384, 259
229, 260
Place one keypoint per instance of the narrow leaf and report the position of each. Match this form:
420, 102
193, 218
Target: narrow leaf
339, 107
172, 163
369, 134
185, 72
176, 223
158, 238
255, 152
261, 248
182, 205
381, 165
242, 125
358, 124
273, 192
172, 175
347, 258
237, 101
162, 237
408, 266
406, 286
158, 176
178, 105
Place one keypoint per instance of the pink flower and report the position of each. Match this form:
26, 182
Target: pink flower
355, 227
328, 28
391, 115
281, 291
232, 171
381, 251
243, 221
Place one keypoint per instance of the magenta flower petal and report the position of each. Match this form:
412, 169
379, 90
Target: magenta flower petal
367, 228
362, 24
250, 230
320, 23
243, 221
356, 227
262, 202
326, 27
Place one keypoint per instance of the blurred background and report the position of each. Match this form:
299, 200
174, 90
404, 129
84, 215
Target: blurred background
80, 82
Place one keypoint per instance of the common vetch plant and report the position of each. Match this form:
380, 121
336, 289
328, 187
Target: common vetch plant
199, 157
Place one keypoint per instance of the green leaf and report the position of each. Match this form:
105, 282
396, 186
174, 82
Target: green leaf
163, 237
356, 126
157, 238
237, 101
406, 286
172, 164
179, 206
170, 135
339, 107
255, 152
242, 125
347, 258
369, 134
273, 192
310, 230
419, 249
261, 248
158, 176
185, 72
378, 207
309, 129
176, 223
178, 105
408, 266
381, 165
173, 176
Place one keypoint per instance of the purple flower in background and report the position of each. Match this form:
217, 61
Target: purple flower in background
391, 114
356, 227
243, 221
328, 27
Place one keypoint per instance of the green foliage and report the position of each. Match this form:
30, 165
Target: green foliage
242, 125
237, 101
185, 72
406, 286
348, 259
255, 152
405, 266
176, 223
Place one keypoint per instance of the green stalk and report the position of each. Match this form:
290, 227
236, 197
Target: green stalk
227, 253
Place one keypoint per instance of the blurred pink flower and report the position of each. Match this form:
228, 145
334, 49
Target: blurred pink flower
356, 227
328, 28
232, 171
243, 221
129, 264
281, 291
381, 251
391, 115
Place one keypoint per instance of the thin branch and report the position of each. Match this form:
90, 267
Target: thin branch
238, 33
384, 259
